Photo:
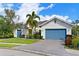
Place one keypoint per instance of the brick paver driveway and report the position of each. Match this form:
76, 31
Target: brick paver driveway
46, 47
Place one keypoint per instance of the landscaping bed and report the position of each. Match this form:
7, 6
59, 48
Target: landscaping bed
72, 43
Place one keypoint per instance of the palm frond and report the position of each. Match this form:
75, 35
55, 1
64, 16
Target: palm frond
37, 17
33, 13
28, 15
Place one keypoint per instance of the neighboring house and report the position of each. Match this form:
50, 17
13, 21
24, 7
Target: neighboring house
55, 29
20, 32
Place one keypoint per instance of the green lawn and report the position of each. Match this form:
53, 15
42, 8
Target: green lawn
12, 42
19, 40
7, 45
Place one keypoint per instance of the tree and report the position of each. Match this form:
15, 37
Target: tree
1, 25
4, 28
9, 17
10, 14
31, 22
7, 24
75, 28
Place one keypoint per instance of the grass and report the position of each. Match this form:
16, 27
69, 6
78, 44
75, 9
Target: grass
7, 45
19, 40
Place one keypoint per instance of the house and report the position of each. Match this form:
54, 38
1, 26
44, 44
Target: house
55, 29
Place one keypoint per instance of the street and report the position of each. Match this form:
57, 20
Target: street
8, 52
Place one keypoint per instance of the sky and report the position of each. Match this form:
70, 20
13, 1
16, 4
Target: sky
66, 11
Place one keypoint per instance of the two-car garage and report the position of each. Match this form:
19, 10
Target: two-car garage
55, 29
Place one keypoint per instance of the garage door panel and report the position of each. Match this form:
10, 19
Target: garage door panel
55, 33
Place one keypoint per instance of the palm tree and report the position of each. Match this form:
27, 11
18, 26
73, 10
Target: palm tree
31, 22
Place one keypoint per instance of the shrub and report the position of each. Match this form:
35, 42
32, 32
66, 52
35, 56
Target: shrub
37, 36
22, 36
9, 35
34, 36
1, 36
75, 41
6, 35
29, 36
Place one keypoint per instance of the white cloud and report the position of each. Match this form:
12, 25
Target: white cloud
44, 8
23, 11
28, 8
50, 6
47, 17
1, 10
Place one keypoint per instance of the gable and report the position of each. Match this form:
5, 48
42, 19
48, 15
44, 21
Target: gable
56, 22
